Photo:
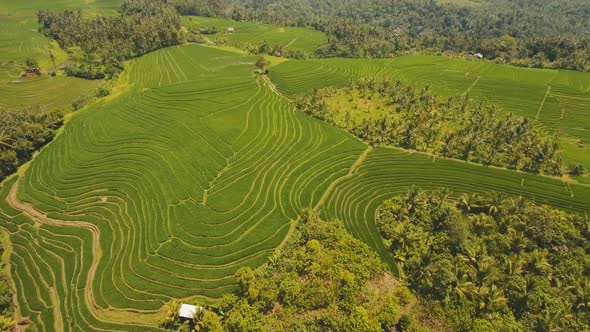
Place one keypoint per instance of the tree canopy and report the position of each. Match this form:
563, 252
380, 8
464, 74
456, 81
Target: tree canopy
493, 263
393, 113
98, 44
22, 132
523, 32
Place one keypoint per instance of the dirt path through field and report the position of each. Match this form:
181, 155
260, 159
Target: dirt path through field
113, 315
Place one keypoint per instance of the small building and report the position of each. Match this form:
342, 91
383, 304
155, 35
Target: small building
231, 30
188, 311
478, 55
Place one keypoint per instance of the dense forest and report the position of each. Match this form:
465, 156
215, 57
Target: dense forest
492, 263
322, 280
520, 32
97, 45
393, 113
554, 33
22, 132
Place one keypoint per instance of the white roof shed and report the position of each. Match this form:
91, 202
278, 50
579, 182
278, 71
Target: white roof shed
188, 311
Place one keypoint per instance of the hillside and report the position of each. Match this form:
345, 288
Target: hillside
559, 100
197, 169
181, 176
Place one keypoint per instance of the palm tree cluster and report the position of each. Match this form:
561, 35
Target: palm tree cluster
22, 132
455, 127
504, 263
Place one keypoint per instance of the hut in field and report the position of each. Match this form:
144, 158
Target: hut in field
187, 312
231, 30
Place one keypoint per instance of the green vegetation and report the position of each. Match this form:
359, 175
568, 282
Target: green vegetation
195, 170
323, 279
199, 166
492, 263
187, 180
558, 100
98, 45
290, 42
6, 291
21, 41
22, 132
391, 113
521, 32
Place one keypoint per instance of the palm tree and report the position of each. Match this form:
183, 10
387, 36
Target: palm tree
550, 317
489, 298
495, 203
524, 290
482, 224
173, 308
4, 140
518, 241
536, 262
467, 202
413, 198
582, 293
512, 264
517, 205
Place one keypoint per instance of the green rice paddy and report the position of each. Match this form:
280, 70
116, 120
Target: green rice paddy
558, 100
19, 41
197, 169
250, 33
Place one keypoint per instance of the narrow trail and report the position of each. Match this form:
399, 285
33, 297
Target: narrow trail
357, 164
473, 85
273, 87
332, 185
137, 318
543, 102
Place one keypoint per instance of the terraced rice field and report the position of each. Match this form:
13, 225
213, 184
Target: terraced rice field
559, 100
52, 92
19, 39
249, 33
389, 172
196, 170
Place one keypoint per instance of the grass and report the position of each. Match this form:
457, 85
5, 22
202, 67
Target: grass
251, 33
196, 169
558, 100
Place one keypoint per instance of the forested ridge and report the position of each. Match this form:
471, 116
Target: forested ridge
552, 33
492, 263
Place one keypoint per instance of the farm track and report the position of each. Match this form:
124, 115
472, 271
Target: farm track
42, 218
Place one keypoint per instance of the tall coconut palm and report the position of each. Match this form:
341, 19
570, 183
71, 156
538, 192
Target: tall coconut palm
512, 264
173, 308
490, 298
5, 140
468, 202
536, 262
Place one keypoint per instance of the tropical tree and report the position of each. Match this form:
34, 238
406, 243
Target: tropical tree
261, 64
